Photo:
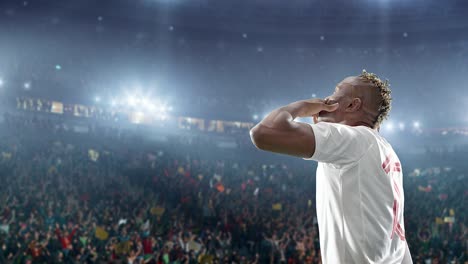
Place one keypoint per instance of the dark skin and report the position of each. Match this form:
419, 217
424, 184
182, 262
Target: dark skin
354, 103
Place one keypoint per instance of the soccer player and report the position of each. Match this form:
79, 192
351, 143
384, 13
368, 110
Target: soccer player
359, 193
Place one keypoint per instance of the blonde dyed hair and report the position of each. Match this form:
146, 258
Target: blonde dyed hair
384, 91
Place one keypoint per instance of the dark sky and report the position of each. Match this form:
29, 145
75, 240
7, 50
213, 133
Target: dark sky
232, 59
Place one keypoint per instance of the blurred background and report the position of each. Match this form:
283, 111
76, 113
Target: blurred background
124, 125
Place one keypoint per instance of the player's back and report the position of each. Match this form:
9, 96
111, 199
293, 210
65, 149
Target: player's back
359, 196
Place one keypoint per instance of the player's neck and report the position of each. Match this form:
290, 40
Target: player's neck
358, 123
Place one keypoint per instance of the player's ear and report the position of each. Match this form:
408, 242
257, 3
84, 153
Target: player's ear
354, 105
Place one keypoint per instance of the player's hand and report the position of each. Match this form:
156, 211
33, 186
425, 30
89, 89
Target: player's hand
312, 107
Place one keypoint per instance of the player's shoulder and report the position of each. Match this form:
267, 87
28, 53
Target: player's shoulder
354, 130
342, 126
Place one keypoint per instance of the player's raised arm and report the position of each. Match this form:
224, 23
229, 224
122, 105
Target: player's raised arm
279, 133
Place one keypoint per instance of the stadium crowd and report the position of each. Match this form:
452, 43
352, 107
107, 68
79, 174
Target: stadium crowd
70, 198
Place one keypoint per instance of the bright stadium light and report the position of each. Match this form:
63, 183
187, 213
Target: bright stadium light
113, 103
97, 99
131, 100
255, 117
416, 124
389, 126
27, 85
139, 116
145, 102
151, 107
401, 126
1, 82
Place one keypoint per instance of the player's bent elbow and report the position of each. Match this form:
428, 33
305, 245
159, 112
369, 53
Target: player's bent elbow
257, 137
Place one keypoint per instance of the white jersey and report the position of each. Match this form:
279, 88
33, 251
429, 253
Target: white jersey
360, 198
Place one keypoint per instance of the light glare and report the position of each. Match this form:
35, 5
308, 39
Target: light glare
389, 126
401, 125
131, 100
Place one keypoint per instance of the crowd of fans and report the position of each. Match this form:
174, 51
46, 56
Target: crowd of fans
68, 198
435, 214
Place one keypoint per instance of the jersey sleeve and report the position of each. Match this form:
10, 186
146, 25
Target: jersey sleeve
339, 144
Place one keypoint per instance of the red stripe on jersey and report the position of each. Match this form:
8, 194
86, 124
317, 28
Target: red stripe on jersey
387, 169
388, 166
395, 208
396, 228
400, 232
386, 162
397, 190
